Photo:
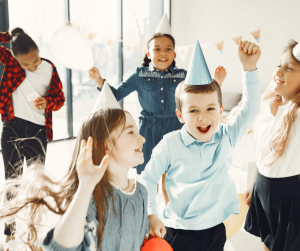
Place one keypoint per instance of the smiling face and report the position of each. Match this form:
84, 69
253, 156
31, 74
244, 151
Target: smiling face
201, 113
286, 78
129, 144
161, 52
29, 61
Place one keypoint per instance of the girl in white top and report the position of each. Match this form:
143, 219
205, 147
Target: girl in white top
274, 198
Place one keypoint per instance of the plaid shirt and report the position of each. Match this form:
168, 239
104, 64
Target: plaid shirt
14, 75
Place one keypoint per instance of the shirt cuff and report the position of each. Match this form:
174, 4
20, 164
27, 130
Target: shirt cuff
250, 77
99, 89
50, 244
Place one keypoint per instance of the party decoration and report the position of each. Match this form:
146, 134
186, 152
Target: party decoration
235, 221
164, 25
106, 99
109, 42
198, 73
256, 35
220, 46
182, 52
72, 49
237, 39
296, 52
155, 244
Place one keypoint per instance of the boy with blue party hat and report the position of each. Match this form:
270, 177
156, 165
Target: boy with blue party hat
196, 158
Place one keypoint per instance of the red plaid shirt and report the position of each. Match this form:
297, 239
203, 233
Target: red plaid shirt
14, 75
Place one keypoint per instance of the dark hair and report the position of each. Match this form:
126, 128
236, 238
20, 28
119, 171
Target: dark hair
146, 60
21, 43
185, 88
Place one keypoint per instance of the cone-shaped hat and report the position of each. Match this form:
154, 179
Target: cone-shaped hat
106, 99
296, 52
164, 25
198, 73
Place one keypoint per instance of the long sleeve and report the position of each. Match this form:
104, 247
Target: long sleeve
90, 237
239, 125
5, 54
55, 97
156, 167
126, 87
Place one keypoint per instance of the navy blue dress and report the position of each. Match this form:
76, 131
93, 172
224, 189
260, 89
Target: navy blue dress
156, 93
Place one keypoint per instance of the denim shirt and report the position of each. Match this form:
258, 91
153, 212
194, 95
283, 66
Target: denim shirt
156, 89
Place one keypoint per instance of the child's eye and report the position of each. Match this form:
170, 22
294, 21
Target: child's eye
131, 132
211, 109
193, 111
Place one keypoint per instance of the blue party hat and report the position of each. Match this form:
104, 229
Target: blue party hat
198, 73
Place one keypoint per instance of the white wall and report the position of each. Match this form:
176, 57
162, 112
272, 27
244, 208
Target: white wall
217, 20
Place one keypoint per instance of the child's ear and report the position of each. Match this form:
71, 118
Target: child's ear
148, 55
221, 110
179, 116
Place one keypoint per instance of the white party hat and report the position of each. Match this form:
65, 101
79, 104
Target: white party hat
198, 73
296, 52
106, 99
164, 25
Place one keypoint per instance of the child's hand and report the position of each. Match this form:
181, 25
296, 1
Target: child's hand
249, 195
220, 74
156, 227
40, 103
95, 75
249, 54
90, 175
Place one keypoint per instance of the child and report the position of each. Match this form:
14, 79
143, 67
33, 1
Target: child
274, 198
155, 81
196, 158
101, 208
24, 73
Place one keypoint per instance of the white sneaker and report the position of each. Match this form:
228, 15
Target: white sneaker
11, 245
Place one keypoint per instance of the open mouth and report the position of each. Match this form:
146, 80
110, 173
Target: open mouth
163, 60
204, 129
279, 82
139, 150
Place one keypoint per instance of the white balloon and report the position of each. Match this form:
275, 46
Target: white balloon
69, 46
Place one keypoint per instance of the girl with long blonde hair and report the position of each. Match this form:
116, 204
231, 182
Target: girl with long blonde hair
101, 208
274, 198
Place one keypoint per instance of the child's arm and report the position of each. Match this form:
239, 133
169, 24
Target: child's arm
124, 89
156, 167
220, 74
240, 124
70, 230
5, 53
54, 99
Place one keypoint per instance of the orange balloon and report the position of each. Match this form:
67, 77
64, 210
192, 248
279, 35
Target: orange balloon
235, 221
156, 244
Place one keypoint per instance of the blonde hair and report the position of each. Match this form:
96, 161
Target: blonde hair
280, 136
37, 193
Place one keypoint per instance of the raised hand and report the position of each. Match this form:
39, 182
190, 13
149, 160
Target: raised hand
94, 74
90, 175
249, 54
220, 74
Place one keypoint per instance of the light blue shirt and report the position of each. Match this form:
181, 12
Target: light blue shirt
201, 192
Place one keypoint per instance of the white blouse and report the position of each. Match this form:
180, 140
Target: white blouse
289, 163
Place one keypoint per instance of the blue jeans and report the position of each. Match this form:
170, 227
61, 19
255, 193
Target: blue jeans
21, 138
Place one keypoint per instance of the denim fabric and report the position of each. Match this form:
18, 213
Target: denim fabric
21, 138
156, 93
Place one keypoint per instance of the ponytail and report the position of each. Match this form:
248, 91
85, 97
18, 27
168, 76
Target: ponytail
21, 43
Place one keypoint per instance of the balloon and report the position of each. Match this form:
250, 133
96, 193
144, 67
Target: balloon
234, 222
155, 244
69, 46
